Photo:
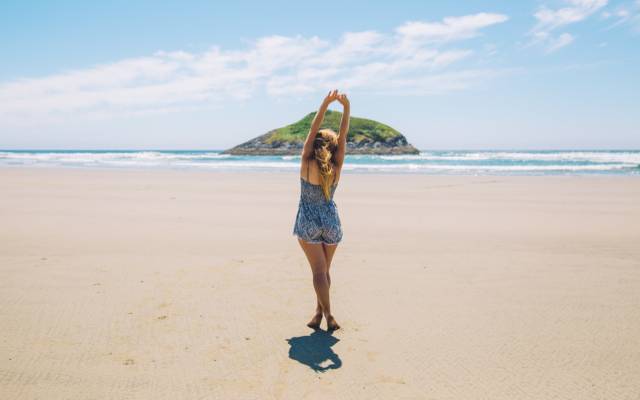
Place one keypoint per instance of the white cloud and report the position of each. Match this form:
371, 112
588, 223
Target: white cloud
549, 20
621, 13
451, 28
626, 14
559, 42
576, 11
411, 59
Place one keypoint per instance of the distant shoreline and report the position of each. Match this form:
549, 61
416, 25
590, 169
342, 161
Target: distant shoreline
430, 162
546, 150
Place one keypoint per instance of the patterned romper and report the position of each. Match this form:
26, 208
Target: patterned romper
317, 220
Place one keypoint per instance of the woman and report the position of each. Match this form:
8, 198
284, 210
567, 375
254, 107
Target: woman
317, 222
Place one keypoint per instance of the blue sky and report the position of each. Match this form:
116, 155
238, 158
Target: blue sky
555, 74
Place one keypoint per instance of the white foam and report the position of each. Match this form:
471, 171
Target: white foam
577, 156
601, 167
241, 165
85, 157
506, 162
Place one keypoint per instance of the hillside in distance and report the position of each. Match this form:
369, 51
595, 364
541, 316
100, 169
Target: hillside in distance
365, 136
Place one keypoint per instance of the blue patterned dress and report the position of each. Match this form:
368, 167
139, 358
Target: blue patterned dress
317, 220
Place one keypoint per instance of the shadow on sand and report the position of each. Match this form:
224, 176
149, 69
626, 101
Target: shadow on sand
315, 351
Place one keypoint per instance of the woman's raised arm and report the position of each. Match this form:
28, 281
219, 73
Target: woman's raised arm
307, 149
344, 129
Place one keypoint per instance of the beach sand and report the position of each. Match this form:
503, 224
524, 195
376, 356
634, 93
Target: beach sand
190, 285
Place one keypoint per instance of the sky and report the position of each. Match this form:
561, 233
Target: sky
556, 74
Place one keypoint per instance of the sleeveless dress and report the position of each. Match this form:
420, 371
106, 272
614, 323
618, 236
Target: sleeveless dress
317, 220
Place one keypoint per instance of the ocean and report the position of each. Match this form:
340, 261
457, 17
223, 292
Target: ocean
442, 162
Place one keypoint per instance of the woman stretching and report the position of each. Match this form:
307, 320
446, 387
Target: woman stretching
317, 223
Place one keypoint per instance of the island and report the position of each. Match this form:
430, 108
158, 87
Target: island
365, 136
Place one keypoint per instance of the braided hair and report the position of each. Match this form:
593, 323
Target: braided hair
324, 149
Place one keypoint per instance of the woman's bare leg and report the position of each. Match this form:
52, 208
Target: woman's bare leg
329, 251
316, 257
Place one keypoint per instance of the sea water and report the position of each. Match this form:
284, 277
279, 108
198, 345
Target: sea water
441, 162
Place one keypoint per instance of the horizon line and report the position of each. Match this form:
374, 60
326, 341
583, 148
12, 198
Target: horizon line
421, 150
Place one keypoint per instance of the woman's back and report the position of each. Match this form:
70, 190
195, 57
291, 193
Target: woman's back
311, 172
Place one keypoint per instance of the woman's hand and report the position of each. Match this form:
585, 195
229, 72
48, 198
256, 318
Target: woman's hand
342, 98
331, 97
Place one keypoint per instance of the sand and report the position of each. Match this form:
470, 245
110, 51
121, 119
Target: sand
189, 285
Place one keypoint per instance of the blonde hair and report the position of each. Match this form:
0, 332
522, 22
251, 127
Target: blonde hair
324, 149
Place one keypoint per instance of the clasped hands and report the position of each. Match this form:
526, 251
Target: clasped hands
333, 95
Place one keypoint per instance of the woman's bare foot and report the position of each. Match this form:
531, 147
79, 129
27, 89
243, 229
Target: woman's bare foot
331, 323
315, 321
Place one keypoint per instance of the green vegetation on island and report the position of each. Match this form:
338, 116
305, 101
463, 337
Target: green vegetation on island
365, 136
